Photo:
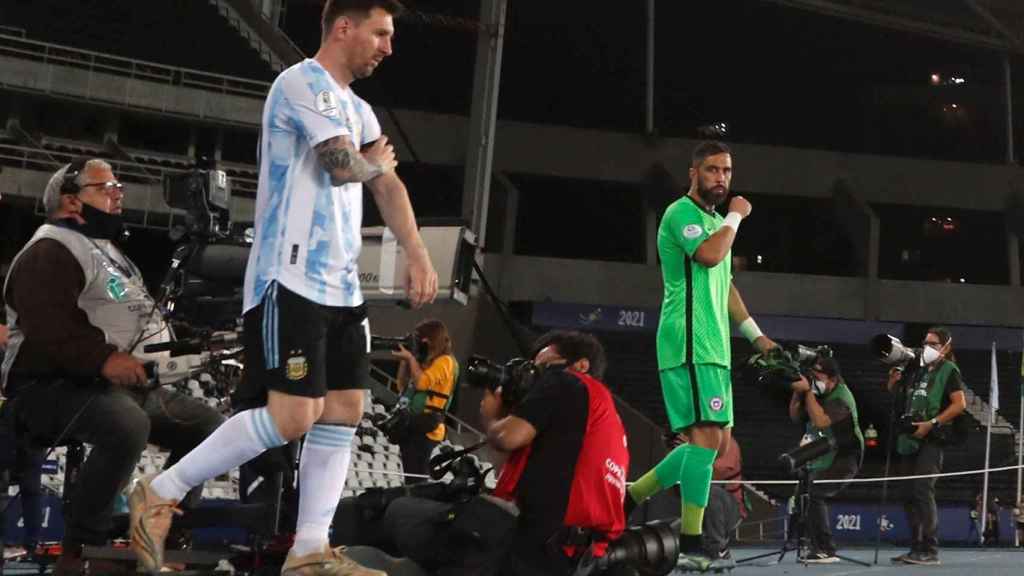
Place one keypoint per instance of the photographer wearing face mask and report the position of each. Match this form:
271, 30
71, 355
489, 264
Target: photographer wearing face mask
427, 390
827, 408
932, 396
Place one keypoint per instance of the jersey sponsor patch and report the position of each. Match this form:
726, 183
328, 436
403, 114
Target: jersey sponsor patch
327, 103
716, 403
692, 231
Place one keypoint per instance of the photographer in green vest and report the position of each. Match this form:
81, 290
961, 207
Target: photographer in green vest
827, 408
931, 393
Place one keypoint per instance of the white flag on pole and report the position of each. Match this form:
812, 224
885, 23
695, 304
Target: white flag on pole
993, 393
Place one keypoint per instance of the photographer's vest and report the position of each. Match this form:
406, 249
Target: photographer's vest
114, 296
435, 399
842, 393
924, 402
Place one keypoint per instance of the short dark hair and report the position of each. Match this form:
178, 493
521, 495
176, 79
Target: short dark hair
573, 346
334, 9
708, 148
945, 336
829, 365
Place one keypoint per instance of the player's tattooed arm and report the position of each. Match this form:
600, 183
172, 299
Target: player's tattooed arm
339, 157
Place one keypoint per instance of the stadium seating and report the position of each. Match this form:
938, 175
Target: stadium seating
189, 34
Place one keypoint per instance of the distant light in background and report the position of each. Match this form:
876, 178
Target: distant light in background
936, 79
716, 130
963, 280
760, 260
941, 227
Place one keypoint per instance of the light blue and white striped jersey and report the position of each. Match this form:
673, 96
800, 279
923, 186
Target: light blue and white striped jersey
307, 231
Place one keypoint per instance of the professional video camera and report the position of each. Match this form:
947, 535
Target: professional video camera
203, 282
210, 359
514, 378
205, 196
778, 368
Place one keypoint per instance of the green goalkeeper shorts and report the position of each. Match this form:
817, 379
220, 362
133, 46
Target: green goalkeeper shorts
696, 394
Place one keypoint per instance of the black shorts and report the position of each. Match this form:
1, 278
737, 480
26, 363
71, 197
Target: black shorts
302, 348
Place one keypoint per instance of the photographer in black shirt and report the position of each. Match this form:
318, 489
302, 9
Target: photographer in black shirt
932, 396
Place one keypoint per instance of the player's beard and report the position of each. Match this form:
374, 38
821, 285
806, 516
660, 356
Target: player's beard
712, 196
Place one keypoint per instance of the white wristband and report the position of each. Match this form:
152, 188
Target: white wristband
732, 220
749, 329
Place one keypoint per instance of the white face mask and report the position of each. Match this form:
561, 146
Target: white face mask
819, 387
930, 355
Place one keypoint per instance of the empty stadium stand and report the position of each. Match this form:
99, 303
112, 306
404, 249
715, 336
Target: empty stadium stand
185, 33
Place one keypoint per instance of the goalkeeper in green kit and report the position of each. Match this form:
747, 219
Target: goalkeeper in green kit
694, 243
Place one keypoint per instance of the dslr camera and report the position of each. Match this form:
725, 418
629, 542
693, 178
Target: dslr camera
514, 378
778, 368
893, 352
411, 342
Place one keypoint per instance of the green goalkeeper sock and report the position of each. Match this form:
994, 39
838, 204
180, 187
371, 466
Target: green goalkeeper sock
694, 486
663, 475
644, 487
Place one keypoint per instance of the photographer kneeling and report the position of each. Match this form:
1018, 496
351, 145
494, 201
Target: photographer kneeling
560, 491
829, 410
568, 460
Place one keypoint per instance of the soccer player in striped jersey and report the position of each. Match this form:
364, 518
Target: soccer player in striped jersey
306, 333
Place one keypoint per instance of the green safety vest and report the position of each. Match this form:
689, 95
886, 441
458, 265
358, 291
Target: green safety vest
418, 398
924, 401
842, 393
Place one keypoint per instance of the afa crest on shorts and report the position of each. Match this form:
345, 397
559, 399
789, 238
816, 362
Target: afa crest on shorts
297, 367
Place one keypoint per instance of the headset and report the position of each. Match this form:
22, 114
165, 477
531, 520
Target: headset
77, 166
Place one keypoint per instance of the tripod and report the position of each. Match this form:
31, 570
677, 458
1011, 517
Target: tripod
798, 539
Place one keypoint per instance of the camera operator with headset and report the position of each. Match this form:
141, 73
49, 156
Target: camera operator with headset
828, 409
427, 392
932, 399
78, 311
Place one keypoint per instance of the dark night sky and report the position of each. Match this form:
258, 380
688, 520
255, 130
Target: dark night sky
777, 75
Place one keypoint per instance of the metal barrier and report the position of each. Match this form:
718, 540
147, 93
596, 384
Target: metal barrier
44, 159
762, 531
12, 31
47, 53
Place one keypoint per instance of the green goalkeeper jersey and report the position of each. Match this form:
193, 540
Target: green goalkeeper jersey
694, 325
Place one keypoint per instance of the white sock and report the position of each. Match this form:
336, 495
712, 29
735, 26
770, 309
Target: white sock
323, 468
243, 437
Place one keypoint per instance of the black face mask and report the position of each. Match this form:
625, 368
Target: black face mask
99, 224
